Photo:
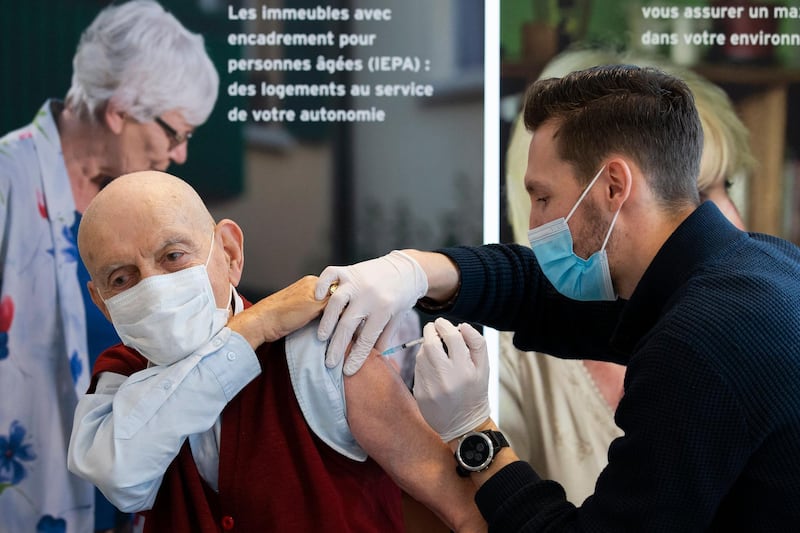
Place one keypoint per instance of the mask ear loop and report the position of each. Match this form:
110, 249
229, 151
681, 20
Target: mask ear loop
211, 250
208, 260
584, 193
611, 227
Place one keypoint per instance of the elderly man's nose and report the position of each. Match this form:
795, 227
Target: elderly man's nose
146, 271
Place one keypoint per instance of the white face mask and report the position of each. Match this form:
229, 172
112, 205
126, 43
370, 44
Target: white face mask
169, 316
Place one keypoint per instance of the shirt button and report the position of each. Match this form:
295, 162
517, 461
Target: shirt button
227, 523
166, 384
231, 356
217, 341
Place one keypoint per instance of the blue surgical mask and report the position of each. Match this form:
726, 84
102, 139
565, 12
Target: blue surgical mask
574, 277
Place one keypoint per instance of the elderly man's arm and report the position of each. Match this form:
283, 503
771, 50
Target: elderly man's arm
130, 429
386, 422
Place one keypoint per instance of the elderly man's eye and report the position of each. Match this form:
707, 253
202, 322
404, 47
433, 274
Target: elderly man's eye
118, 281
174, 256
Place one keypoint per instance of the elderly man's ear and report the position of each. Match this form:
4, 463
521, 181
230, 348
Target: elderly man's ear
233, 243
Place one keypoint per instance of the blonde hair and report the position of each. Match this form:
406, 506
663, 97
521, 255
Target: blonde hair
726, 149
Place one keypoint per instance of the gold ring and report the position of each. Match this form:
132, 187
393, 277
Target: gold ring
333, 288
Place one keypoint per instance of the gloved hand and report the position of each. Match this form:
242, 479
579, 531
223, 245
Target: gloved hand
452, 388
371, 292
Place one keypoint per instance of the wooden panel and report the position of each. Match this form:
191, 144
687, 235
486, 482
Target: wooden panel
764, 114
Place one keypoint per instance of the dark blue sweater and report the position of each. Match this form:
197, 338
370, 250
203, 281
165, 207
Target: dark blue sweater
711, 411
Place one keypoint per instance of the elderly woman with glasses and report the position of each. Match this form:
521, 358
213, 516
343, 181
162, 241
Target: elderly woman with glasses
141, 84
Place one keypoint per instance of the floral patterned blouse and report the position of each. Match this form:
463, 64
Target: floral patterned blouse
44, 365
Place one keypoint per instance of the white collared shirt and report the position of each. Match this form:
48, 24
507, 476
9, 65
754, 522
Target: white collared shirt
127, 433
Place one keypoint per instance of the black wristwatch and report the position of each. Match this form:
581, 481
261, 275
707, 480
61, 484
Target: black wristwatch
476, 451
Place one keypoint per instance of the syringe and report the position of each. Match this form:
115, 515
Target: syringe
403, 346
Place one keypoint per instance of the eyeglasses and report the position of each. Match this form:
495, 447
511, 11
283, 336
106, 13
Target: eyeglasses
175, 138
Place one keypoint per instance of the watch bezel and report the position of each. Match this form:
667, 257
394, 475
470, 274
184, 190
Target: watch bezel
489, 456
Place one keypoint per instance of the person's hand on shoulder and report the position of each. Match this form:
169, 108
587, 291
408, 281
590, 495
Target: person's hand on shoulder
280, 313
371, 292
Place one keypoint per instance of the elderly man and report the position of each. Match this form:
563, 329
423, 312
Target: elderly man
210, 425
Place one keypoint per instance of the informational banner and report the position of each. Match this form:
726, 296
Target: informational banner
342, 129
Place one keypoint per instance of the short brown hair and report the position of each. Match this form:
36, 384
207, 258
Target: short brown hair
640, 112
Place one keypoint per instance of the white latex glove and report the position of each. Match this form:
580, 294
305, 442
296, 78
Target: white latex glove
452, 388
372, 292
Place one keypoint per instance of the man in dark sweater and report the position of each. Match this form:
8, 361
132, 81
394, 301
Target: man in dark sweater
706, 318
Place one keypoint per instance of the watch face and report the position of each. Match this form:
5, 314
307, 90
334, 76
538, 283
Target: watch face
475, 451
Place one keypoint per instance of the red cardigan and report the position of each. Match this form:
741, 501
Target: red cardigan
274, 473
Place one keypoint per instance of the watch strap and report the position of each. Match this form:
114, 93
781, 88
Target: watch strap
497, 438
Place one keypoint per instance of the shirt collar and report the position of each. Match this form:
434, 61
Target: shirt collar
699, 238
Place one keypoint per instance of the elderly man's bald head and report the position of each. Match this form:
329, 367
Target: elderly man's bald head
139, 202
151, 223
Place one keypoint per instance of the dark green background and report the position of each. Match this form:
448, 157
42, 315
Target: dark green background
37, 41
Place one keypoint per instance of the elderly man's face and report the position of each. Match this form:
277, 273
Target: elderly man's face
145, 240
124, 264
140, 238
